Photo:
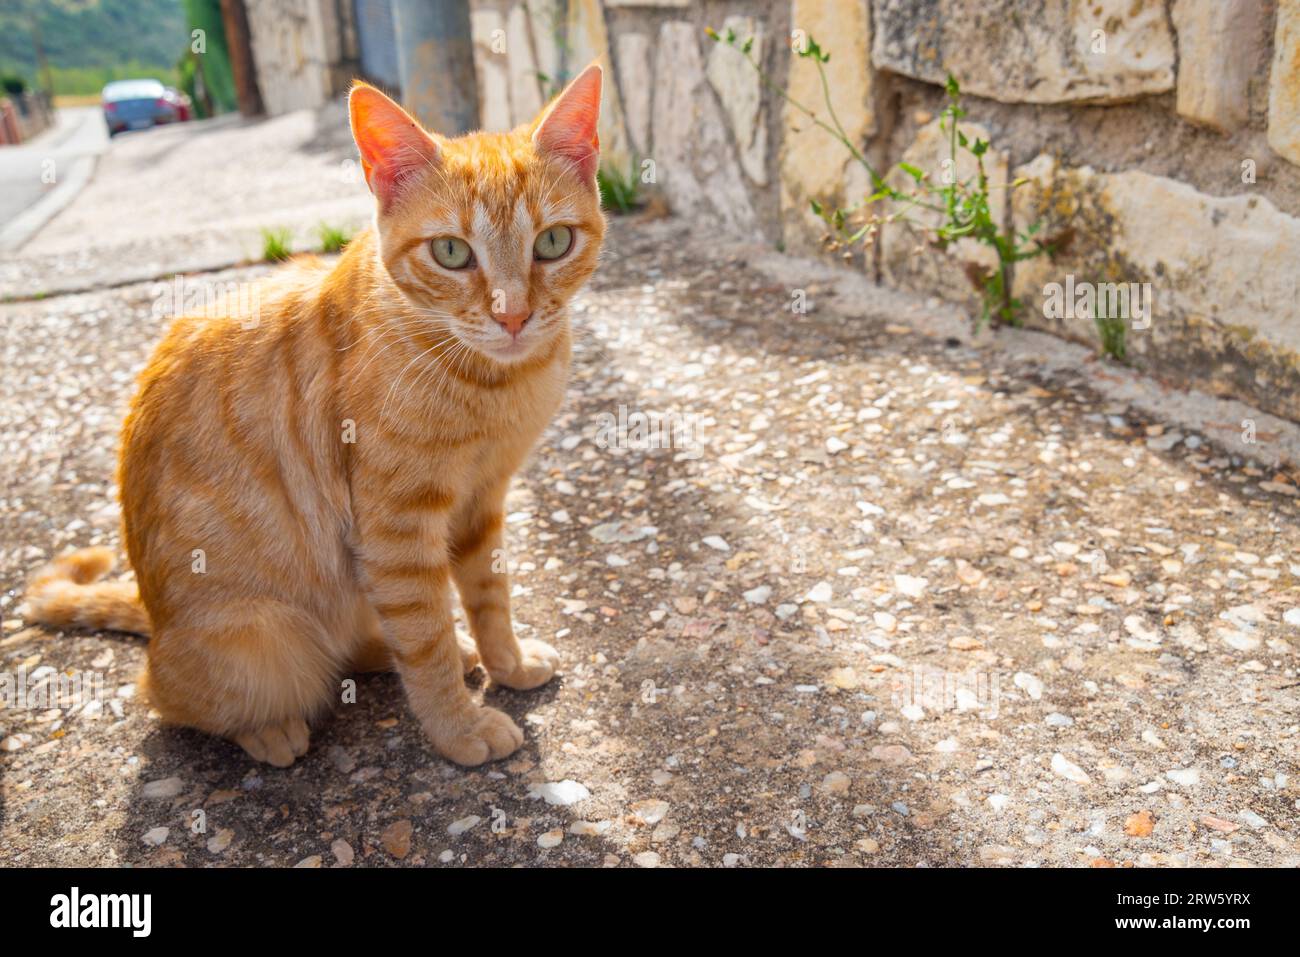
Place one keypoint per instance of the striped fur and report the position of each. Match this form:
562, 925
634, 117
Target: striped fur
300, 493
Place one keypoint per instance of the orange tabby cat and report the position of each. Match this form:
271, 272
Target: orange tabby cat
298, 492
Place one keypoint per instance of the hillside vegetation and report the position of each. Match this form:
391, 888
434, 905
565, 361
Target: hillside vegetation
90, 42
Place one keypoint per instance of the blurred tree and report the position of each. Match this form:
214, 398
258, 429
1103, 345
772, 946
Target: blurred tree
234, 15
76, 46
212, 81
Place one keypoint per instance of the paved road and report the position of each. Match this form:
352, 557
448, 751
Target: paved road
78, 132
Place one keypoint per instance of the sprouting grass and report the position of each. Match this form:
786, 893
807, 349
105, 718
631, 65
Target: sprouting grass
277, 244
551, 86
1112, 331
619, 190
333, 238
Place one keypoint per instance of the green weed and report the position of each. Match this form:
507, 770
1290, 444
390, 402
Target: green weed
619, 190
964, 207
333, 238
276, 244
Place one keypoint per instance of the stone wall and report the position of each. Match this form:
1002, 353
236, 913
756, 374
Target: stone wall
299, 49
1161, 136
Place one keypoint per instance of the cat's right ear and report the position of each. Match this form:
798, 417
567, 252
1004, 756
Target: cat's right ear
567, 128
393, 146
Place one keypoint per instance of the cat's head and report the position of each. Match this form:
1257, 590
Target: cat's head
487, 235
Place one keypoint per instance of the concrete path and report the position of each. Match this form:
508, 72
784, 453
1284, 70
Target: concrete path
195, 196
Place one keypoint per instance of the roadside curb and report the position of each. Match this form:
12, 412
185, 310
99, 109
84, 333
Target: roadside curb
28, 223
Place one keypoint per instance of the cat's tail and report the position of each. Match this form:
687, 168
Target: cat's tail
67, 593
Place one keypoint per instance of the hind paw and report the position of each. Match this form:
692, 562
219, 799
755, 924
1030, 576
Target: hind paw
276, 744
535, 666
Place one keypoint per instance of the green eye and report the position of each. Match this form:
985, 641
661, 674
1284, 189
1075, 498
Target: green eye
451, 253
553, 243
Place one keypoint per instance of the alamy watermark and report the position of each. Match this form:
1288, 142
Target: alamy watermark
129, 911
46, 688
936, 690
212, 300
1130, 301
651, 430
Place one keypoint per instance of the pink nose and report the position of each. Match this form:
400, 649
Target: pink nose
512, 322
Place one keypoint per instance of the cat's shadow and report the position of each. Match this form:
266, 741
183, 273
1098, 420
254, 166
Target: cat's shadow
369, 764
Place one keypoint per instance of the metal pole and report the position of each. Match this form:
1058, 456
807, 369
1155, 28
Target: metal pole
435, 57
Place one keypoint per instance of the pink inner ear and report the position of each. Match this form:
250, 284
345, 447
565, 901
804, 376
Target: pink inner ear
568, 129
393, 147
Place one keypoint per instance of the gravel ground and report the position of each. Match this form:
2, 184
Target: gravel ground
891, 600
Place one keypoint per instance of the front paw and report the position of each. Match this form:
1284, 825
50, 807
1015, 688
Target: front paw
536, 665
481, 734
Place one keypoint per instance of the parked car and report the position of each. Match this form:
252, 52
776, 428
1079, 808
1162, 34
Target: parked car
181, 102
140, 104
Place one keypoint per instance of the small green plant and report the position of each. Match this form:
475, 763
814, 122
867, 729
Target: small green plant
1112, 331
962, 207
276, 244
559, 36
551, 86
333, 238
619, 189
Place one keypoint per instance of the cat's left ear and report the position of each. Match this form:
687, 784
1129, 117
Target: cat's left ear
393, 146
567, 129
